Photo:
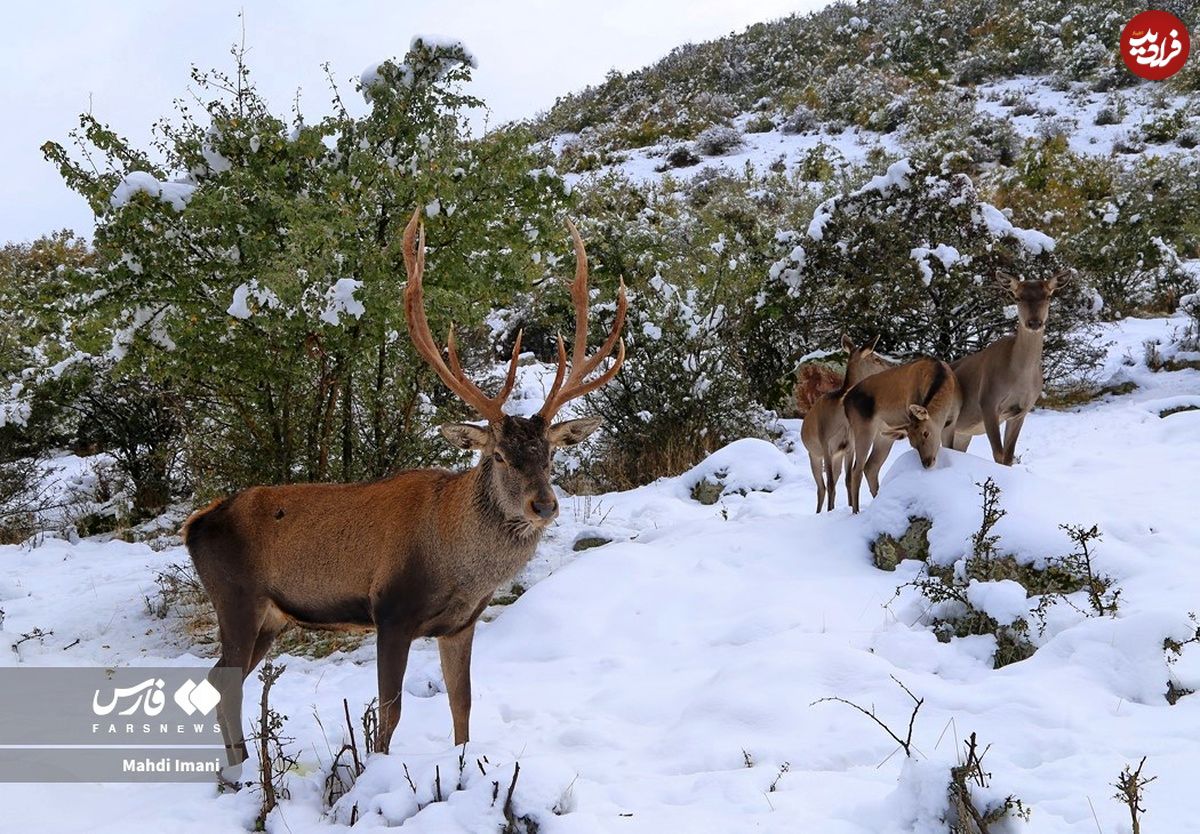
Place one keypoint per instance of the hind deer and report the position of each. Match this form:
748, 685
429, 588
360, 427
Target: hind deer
825, 432
1002, 382
417, 554
919, 401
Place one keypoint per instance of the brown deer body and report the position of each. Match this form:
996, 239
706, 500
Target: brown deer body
920, 401
418, 554
1002, 382
825, 432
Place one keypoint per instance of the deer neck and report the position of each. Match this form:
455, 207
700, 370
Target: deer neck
1027, 348
854, 375
505, 530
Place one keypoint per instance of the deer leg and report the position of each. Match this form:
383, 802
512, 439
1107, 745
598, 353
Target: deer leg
239, 624
392, 648
273, 623
1012, 428
879, 454
815, 463
991, 424
455, 650
948, 437
834, 461
862, 436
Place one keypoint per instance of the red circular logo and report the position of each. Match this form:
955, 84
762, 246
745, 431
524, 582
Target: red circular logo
1155, 45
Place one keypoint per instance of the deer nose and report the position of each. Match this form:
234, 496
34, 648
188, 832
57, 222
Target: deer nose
545, 509
1035, 324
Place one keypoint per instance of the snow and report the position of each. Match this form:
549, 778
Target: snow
340, 299
948, 256
447, 52
174, 194
263, 297
1076, 109
666, 681
1034, 242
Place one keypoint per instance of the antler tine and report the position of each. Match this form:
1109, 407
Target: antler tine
582, 365
579, 295
511, 379
489, 408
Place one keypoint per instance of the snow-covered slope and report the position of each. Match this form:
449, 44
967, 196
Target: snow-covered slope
1094, 124
665, 681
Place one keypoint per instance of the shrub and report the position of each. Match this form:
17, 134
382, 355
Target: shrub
136, 421
949, 590
1164, 128
680, 155
680, 395
718, 140
760, 124
801, 120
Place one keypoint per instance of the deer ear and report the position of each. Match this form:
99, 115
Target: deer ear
895, 432
1007, 281
1059, 279
570, 432
918, 411
847, 345
466, 435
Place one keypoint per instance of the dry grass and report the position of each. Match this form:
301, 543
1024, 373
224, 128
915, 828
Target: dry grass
1065, 399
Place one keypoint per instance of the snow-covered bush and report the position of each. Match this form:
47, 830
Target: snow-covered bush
1131, 242
987, 592
933, 126
139, 423
680, 155
718, 140
1112, 113
911, 257
679, 397
851, 95
801, 120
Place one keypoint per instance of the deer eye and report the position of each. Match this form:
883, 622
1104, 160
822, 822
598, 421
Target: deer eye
499, 458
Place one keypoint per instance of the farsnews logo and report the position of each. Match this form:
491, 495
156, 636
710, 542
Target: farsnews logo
149, 698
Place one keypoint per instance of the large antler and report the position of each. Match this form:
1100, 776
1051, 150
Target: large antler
490, 408
582, 365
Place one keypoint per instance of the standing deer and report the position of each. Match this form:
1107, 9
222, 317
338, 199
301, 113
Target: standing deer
417, 554
1003, 381
825, 432
920, 401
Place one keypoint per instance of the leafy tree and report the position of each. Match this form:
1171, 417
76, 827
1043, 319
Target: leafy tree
264, 284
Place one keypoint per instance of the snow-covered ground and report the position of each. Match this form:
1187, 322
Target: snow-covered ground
665, 682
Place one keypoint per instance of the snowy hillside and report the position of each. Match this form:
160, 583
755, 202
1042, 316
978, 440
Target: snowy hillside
666, 681
1093, 124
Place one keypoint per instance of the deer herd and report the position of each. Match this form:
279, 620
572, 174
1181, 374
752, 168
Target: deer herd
420, 553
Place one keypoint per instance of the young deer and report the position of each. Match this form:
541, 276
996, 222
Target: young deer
1003, 381
920, 401
825, 432
417, 554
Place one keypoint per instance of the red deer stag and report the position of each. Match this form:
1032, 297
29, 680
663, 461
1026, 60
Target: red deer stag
1002, 382
920, 401
825, 432
417, 554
